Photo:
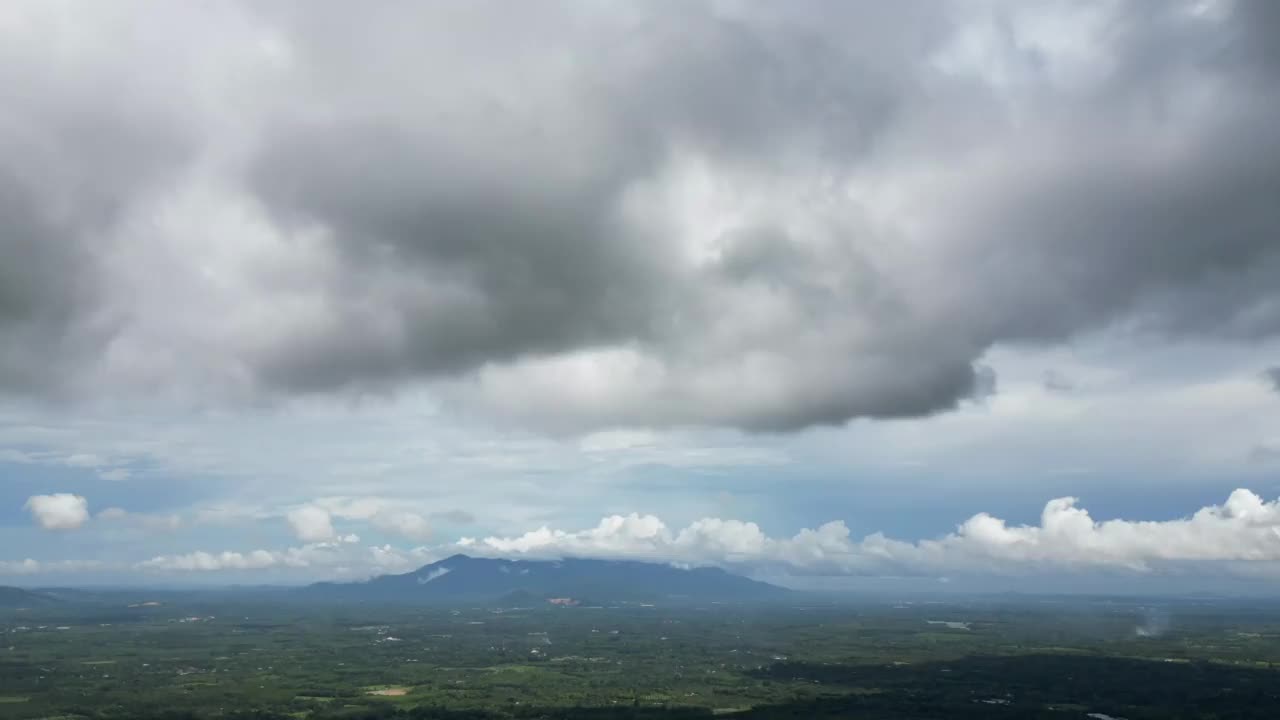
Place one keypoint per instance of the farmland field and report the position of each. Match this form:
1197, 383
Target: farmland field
198, 657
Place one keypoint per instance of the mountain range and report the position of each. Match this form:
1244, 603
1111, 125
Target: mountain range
12, 597
568, 582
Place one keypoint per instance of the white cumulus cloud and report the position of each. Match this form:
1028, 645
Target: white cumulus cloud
344, 557
386, 514
59, 511
1243, 530
311, 523
200, 560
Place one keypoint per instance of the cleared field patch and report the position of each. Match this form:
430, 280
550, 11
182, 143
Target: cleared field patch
389, 692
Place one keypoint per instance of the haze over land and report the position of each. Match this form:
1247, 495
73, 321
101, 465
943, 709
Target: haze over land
830, 293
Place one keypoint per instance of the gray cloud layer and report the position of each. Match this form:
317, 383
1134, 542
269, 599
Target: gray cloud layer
574, 215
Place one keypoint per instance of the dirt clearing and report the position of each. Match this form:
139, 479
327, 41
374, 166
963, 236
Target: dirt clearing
389, 692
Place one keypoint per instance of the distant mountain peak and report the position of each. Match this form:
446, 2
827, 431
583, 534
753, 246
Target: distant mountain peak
455, 558
463, 577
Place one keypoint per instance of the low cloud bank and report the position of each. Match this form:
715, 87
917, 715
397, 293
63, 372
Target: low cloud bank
1244, 529
344, 551
1240, 537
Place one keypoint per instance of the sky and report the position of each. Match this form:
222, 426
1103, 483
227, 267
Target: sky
841, 294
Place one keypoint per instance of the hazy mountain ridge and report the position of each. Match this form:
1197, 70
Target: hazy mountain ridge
462, 577
12, 597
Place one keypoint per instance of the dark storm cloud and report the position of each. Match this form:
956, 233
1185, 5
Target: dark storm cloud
456, 517
1264, 453
755, 215
80, 143
1273, 376
1054, 381
505, 203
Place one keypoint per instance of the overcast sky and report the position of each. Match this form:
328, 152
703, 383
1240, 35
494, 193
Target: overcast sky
829, 291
